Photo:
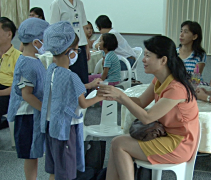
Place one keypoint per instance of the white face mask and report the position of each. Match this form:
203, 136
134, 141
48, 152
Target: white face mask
40, 50
72, 60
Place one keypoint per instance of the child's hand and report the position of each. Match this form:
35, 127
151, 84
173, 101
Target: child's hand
95, 82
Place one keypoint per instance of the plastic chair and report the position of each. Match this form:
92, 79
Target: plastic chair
124, 74
98, 67
183, 171
138, 51
108, 126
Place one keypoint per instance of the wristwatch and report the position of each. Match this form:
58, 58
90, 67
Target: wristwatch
208, 98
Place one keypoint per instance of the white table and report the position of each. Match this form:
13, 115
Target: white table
204, 117
47, 59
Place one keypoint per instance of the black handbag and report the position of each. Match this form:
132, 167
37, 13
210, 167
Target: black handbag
94, 159
146, 132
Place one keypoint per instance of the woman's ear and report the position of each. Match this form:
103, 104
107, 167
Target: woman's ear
164, 60
195, 37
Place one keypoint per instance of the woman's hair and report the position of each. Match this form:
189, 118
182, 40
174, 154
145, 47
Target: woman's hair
103, 22
91, 26
195, 28
38, 11
164, 46
109, 41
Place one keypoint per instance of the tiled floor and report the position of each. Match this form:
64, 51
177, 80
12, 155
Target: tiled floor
11, 168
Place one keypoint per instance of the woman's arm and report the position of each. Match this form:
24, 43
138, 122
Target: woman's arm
96, 43
54, 12
142, 101
201, 67
30, 98
202, 94
162, 107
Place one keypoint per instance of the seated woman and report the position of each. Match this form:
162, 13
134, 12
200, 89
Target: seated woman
37, 13
175, 107
190, 50
111, 65
90, 36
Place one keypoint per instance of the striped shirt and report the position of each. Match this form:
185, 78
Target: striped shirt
191, 61
113, 63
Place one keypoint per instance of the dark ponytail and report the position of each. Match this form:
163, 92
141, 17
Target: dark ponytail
164, 46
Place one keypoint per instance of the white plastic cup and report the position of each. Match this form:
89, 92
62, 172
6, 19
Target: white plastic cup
103, 82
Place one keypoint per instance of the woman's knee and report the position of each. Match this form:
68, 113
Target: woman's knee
118, 142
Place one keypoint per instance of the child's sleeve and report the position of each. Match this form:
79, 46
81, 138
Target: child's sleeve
24, 82
107, 62
78, 85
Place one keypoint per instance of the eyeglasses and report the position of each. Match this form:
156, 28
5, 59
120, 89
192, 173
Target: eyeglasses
74, 49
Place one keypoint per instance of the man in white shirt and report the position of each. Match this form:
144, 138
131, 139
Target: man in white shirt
104, 25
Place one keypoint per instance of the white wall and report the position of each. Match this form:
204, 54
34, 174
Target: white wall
127, 16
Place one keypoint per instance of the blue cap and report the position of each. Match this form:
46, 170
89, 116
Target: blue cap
32, 28
58, 37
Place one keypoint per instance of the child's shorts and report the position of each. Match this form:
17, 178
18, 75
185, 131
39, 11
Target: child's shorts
23, 133
60, 158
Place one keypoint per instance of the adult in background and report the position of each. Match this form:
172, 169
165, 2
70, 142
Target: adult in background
190, 50
175, 107
73, 12
8, 57
104, 25
36, 12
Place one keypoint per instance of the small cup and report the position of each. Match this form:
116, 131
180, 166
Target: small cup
103, 82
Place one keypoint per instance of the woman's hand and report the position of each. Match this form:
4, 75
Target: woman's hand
111, 93
201, 94
201, 89
88, 54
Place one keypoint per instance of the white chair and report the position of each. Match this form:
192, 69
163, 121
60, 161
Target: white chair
138, 51
124, 74
108, 126
183, 171
98, 67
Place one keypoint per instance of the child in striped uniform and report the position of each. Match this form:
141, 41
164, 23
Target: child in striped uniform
26, 96
111, 64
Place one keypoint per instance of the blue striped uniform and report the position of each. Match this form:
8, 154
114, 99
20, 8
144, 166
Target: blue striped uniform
191, 61
113, 63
